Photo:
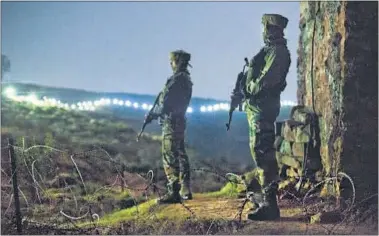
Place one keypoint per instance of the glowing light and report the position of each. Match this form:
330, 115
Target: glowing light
10, 92
287, 103
128, 103
91, 105
216, 107
32, 98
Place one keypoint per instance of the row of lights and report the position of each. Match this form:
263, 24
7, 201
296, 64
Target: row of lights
92, 105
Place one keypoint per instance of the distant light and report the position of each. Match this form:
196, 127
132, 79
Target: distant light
216, 107
73, 106
145, 106
115, 101
101, 101
150, 106
135, 105
287, 103
107, 101
209, 108
224, 106
10, 92
120, 103
32, 98
203, 108
189, 110
128, 103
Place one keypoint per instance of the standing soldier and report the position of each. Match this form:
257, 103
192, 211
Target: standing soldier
265, 80
172, 105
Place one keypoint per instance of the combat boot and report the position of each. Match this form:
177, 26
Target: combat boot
187, 196
267, 205
172, 196
185, 191
250, 185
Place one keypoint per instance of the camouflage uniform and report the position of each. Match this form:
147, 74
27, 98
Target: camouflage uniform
266, 79
172, 106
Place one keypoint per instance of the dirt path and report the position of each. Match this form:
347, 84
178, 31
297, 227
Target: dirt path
292, 219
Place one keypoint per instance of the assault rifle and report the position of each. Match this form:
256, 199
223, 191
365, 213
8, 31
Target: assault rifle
149, 117
236, 101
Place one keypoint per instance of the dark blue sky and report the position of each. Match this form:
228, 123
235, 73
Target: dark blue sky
124, 46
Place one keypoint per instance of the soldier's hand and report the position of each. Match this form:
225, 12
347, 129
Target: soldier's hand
236, 99
236, 95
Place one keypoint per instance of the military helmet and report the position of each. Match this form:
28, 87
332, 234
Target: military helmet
275, 19
180, 55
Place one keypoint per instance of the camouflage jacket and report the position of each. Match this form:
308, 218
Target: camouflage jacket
175, 96
267, 72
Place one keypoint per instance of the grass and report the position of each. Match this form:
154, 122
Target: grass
229, 190
107, 193
124, 215
54, 193
173, 212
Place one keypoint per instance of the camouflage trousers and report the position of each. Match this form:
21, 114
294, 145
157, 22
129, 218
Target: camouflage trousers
175, 163
262, 138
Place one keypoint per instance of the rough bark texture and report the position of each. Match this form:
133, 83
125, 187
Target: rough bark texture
338, 58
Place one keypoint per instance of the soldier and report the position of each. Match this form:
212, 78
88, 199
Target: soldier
265, 80
171, 109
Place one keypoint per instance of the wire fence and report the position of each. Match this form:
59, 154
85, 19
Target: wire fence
45, 190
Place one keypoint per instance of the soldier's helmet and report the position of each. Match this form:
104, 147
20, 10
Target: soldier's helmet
180, 55
275, 19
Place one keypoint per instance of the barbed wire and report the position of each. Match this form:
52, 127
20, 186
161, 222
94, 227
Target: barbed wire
151, 185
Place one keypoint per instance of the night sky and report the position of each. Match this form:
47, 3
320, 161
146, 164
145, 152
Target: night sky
124, 46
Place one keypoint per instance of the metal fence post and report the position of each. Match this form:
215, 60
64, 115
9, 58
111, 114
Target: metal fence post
15, 186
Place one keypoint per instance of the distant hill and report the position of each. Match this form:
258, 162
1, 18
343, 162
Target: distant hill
206, 132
